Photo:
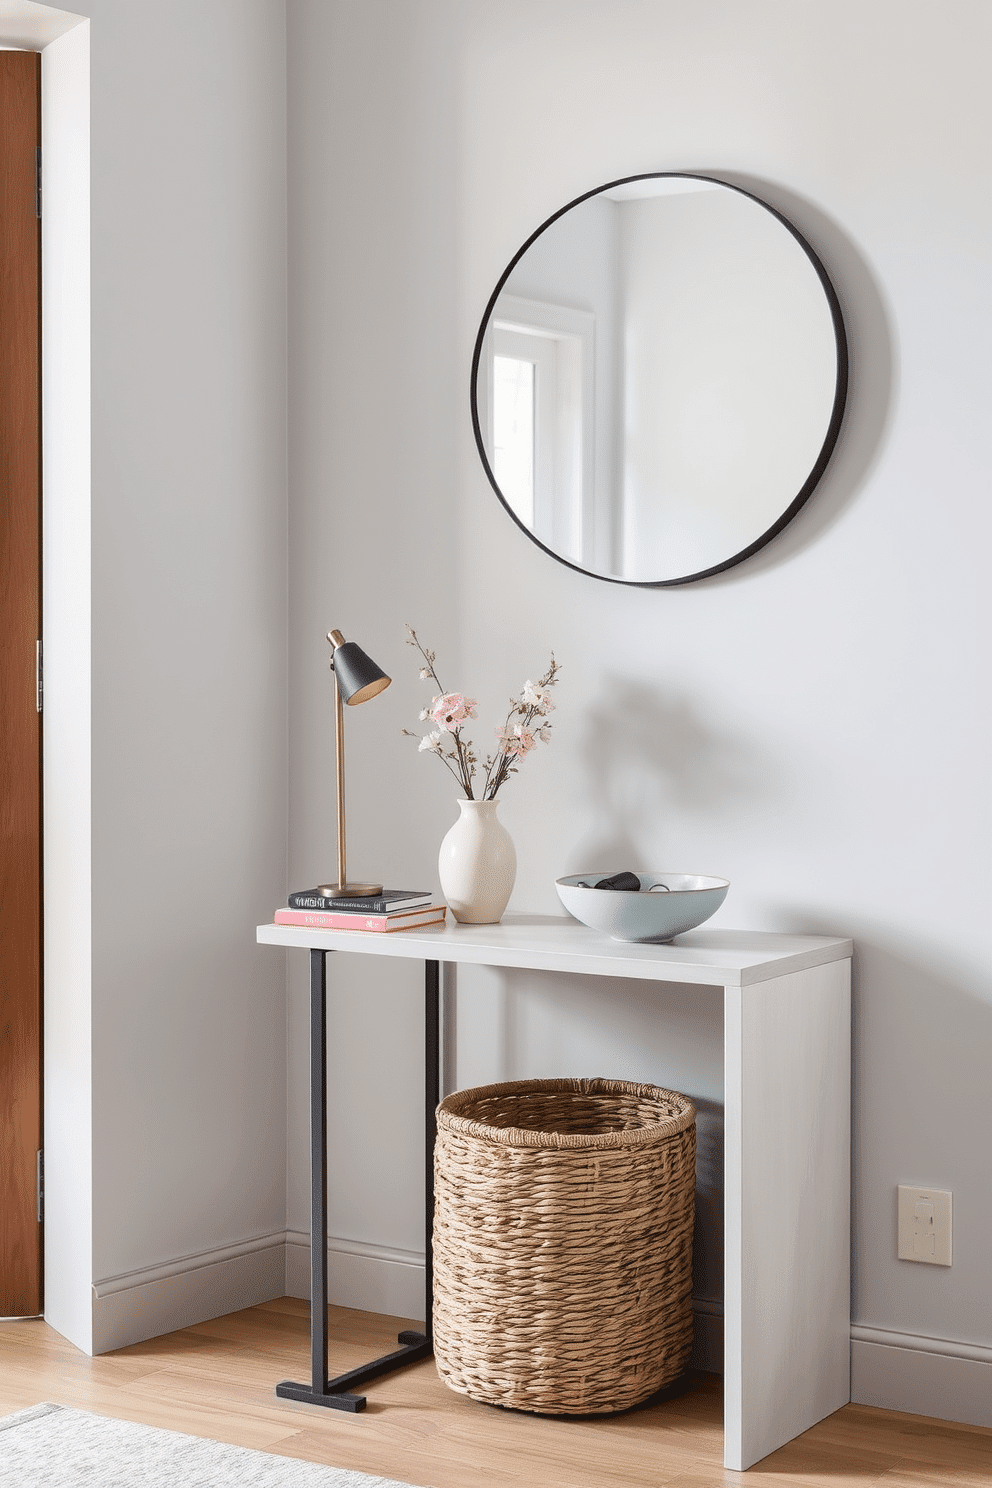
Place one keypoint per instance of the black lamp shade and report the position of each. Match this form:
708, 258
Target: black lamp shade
357, 675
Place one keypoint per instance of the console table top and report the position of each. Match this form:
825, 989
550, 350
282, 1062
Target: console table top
710, 957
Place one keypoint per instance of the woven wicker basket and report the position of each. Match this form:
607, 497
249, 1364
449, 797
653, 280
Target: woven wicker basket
563, 1243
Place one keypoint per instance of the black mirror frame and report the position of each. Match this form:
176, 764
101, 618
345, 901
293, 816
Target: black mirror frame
833, 428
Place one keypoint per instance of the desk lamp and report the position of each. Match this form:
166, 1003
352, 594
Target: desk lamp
356, 679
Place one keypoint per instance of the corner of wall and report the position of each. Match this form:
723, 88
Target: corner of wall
145, 1304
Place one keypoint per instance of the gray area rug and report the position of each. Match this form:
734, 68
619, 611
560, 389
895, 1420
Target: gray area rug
51, 1446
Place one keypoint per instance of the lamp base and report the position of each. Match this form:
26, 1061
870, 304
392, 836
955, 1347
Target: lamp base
349, 890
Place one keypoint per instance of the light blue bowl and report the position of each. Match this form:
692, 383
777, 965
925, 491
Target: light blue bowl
667, 904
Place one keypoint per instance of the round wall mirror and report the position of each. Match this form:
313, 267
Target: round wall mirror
659, 379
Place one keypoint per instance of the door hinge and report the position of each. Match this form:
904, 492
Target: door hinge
40, 1176
37, 180
39, 676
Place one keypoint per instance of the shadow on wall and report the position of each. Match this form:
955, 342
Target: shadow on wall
873, 382
644, 754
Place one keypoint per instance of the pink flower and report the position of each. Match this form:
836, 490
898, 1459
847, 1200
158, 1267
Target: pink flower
517, 740
452, 710
537, 698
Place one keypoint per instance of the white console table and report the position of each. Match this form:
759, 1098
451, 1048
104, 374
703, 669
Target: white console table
787, 1069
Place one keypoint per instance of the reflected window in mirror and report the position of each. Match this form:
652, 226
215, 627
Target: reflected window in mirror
537, 385
513, 431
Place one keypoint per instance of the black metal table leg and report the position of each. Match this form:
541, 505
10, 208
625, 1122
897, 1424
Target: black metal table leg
432, 1095
335, 1393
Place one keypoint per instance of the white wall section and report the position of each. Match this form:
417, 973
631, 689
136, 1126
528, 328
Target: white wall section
810, 725
189, 640
66, 596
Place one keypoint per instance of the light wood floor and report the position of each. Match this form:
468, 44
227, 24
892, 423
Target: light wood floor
216, 1380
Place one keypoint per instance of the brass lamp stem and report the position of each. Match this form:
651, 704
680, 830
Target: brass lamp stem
339, 752
343, 889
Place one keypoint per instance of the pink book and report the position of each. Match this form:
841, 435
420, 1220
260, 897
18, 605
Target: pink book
322, 919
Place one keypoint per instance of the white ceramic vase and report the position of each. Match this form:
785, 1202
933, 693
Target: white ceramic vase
477, 864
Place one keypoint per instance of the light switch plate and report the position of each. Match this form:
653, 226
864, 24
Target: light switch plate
925, 1225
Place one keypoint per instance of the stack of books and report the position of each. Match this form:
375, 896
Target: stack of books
393, 909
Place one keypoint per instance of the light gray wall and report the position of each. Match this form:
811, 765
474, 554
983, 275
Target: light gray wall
183, 1122
375, 399
812, 725
189, 639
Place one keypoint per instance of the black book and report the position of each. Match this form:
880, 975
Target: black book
385, 903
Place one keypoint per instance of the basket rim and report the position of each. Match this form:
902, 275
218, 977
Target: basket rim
449, 1114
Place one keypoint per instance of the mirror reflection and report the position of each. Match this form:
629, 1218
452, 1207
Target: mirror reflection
659, 379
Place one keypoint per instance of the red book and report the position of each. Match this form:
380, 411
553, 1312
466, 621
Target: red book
323, 919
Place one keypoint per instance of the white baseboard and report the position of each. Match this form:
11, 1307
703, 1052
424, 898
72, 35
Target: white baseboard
373, 1278
159, 1299
924, 1376
144, 1304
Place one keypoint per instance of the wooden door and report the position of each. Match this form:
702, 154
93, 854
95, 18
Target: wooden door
20, 721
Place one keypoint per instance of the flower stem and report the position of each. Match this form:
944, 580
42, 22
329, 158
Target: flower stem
464, 765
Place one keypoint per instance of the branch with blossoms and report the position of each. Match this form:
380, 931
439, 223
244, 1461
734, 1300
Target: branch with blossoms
525, 726
448, 712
